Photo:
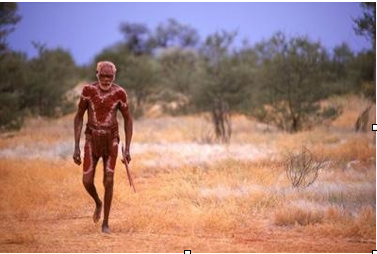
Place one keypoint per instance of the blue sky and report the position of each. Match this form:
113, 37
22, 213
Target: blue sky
84, 29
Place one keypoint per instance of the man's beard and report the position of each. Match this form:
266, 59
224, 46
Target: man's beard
105, 88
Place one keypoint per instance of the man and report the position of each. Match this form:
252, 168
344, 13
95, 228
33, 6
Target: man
102, 99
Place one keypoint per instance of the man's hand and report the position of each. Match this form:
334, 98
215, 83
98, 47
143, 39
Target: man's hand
126, 155
77, 156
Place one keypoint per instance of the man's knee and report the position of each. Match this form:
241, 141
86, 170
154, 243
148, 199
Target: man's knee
108, 180
87, 180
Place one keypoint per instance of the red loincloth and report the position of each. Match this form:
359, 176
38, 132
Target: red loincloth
102, 138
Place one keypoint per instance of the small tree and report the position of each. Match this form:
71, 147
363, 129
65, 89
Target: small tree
217, 82
293, 75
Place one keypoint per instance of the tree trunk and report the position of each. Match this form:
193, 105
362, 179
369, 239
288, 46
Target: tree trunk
362, 121
221, 120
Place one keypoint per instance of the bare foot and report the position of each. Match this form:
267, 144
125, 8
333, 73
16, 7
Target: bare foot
105, 229
97, 213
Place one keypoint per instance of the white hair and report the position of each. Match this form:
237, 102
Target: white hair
103, 63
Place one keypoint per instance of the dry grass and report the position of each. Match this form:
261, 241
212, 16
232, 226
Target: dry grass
40, 131
333, 221
235, 203
38, 188
293, 215
357, 148
352, 106
219, 200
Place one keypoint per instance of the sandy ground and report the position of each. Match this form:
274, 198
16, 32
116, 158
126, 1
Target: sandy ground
78, 235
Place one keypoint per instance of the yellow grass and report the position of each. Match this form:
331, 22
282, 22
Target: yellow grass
220, 205
352, 106
357, 148
219, 201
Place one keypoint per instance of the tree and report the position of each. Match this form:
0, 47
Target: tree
137, 38
8, 18
119, 54
48, 78
247, 63
224, 82
293, 74
341, 73
178, 69
174, 34
366, 25
210, 95
342, 57
12, 73
360, 75
138, 74
140, 77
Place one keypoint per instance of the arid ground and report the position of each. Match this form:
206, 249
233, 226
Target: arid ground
193, 192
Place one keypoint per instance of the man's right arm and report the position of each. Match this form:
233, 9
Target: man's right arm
77, 128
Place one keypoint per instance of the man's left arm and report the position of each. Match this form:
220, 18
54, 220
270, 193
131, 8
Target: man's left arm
128, 125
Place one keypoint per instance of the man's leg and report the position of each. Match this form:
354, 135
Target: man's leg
90, 163
108, 182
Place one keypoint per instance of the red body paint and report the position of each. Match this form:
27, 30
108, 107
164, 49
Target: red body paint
102, 109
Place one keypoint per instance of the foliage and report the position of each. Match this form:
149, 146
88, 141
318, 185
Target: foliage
31, 87
137, 38
217, 86
294, 75
36, 87
8, 18
49, 77
366, 25
174, 34
179, 67
279, 81
140, 76
12, 66
362, 74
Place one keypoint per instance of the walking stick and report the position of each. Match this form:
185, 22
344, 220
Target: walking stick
124, 160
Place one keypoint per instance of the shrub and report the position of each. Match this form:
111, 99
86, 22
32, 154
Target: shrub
302, 169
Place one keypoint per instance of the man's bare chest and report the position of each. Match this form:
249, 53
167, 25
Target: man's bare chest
103, 101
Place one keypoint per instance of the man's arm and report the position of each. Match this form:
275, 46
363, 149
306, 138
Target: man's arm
77, 128
128, 125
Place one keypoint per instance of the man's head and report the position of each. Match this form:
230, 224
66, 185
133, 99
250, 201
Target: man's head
106, 74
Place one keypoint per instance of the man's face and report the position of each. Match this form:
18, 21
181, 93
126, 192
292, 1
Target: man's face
106, 76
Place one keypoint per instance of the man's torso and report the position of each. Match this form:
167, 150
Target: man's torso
103, 105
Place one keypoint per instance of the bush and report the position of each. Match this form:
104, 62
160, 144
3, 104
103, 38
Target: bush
302, 169
11, 118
